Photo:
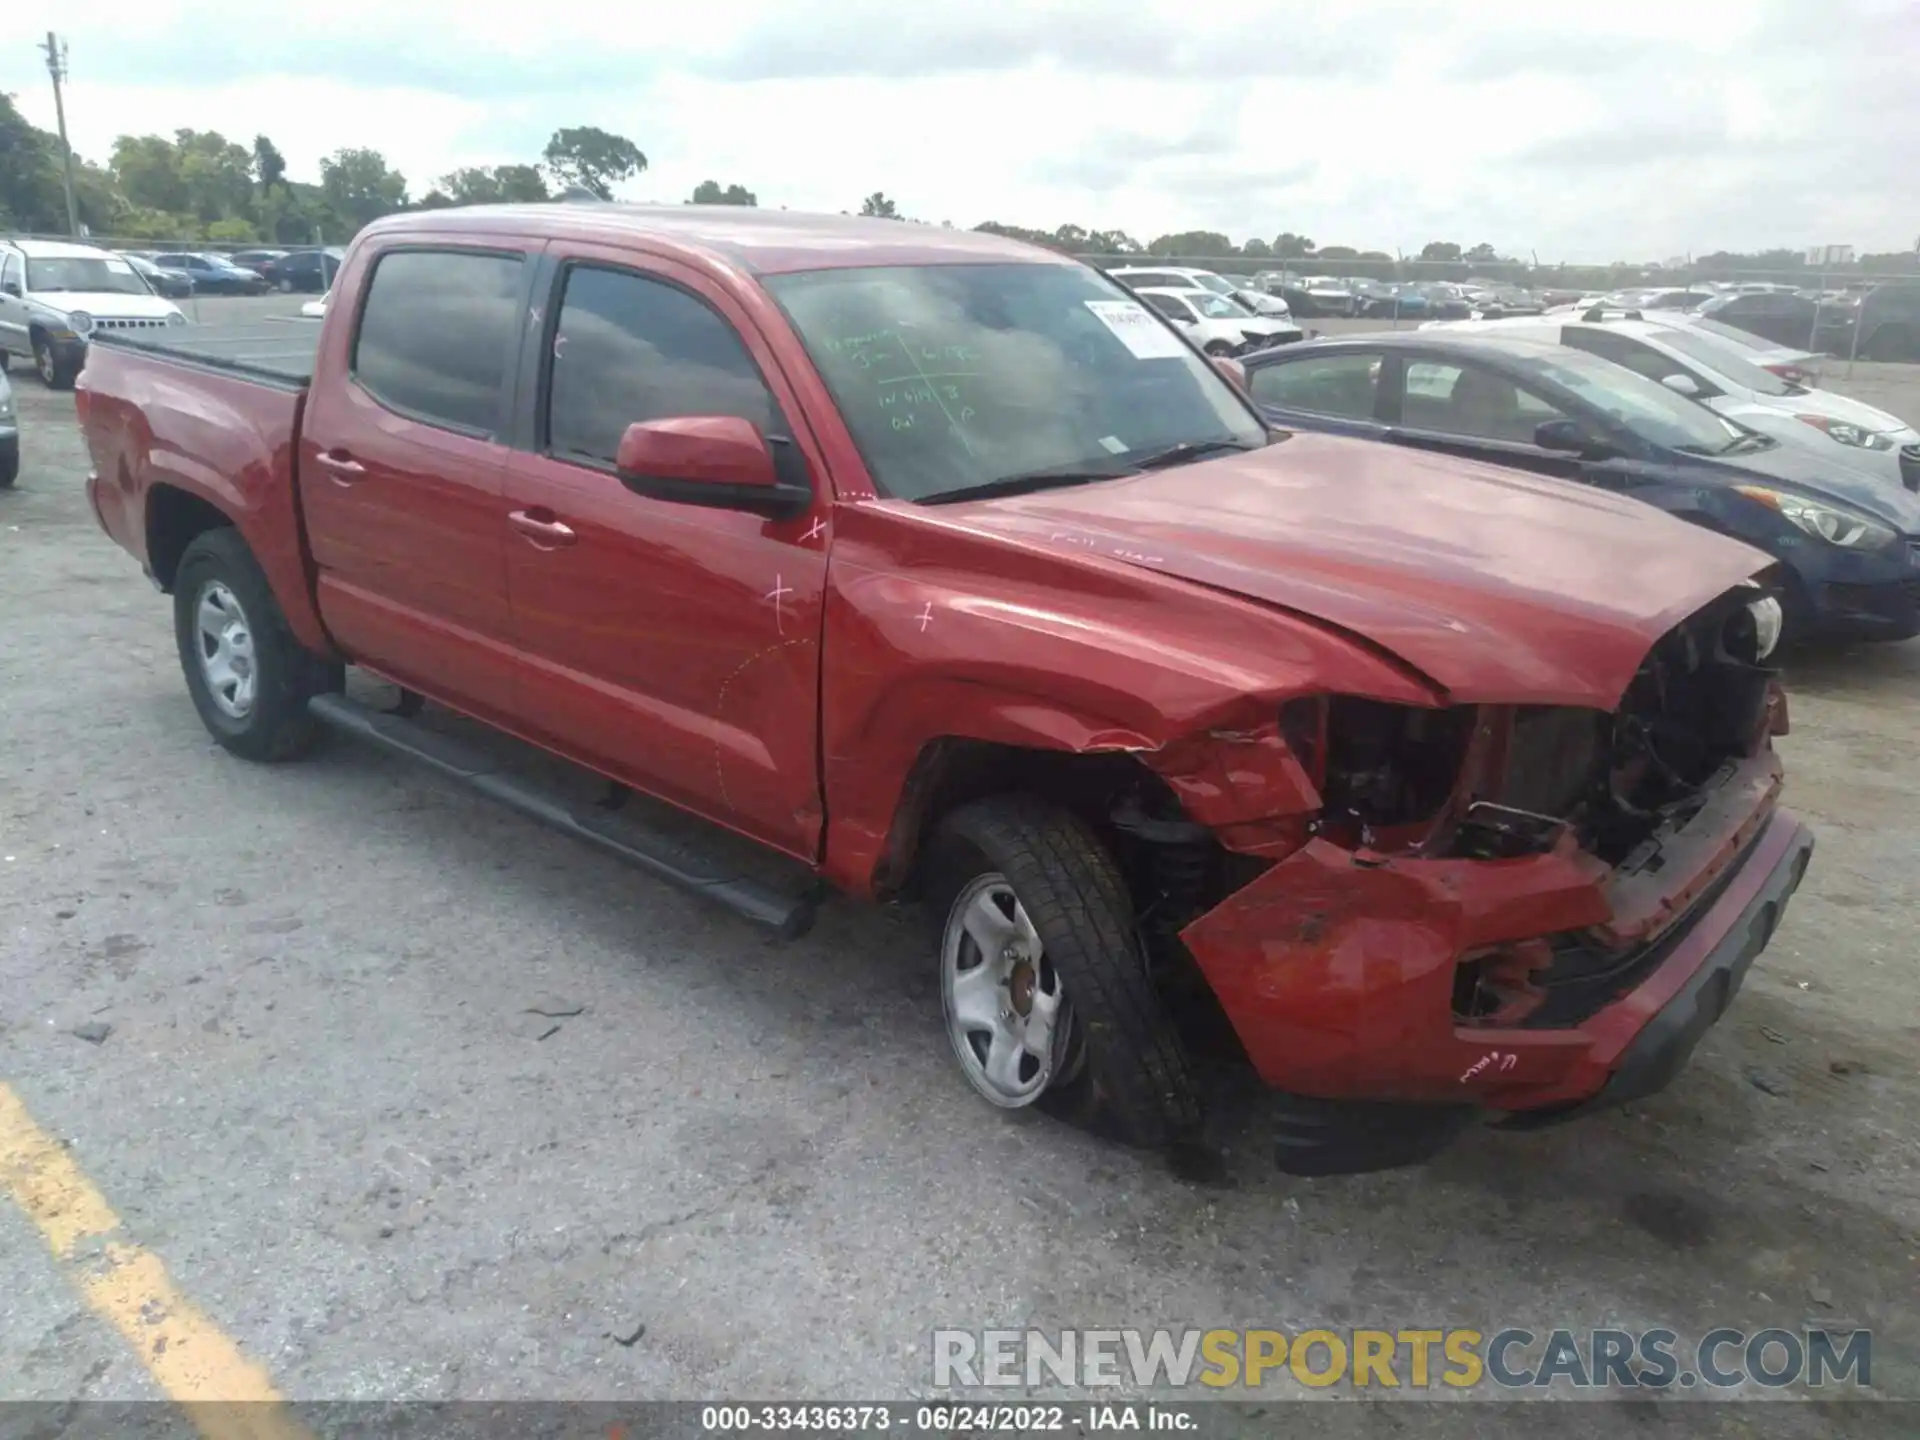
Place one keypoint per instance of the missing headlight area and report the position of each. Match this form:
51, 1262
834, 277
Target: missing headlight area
1490, 782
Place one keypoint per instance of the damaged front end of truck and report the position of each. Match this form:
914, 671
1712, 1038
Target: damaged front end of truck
1416, 917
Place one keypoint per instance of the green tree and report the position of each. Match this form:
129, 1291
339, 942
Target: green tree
1439, 250
359, 187
1483, 253
492, 185
234, 231
31, 197
593, 159
216, 173
1337, 252
146, 168
1195, 243
1257, 249
879, 206
1289, 246
269, 165
708, 192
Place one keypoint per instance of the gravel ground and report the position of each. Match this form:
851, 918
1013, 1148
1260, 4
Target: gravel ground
330, 1103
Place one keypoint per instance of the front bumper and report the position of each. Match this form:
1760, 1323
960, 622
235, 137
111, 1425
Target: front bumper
1865, 597
1339, 970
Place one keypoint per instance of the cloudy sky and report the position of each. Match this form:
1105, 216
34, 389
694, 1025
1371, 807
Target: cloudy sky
1627, 130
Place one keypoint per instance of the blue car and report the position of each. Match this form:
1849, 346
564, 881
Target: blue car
1848, 542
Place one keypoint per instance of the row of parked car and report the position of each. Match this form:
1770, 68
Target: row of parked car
178, 274
1714, 423
1875, 321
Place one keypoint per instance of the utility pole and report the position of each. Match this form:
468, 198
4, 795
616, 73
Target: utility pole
56, 50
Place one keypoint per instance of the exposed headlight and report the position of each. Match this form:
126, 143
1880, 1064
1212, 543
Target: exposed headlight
1848, 529
174, 317
6, 405
1846, 433
1768, 619
80, 322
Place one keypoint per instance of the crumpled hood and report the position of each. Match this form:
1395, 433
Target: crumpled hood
1500, 587
107, 304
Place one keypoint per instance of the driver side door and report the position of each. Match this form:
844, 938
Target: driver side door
673, 646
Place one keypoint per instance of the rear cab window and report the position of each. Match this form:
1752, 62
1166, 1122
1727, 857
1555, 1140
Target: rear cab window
437, 333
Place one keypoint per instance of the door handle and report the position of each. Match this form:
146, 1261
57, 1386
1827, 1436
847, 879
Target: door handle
345, 468
543, 534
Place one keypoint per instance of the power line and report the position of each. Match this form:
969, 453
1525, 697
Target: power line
55, 50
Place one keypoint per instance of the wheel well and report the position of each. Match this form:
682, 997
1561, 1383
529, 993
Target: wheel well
174, 518
950, 772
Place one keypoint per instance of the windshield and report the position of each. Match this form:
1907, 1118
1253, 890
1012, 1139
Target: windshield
1643, 406
955, 376
1728, 360
104, 274
1213, 307
1214, 283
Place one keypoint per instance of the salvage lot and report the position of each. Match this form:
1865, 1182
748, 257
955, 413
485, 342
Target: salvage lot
416, 1100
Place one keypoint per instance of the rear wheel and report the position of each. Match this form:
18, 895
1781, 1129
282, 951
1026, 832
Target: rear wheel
249, 678
1044, 987
9, 463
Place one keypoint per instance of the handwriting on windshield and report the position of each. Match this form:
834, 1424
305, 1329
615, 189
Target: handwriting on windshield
918, 384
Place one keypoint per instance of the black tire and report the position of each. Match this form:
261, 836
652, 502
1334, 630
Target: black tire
1219, 347
286, 675
9, 464
1124, 1073
55, 373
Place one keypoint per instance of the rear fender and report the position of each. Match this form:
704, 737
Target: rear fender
153, 426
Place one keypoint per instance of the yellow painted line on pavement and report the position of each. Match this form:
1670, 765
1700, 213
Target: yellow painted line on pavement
194, 1362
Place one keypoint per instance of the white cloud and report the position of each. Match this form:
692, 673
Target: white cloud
1638, 129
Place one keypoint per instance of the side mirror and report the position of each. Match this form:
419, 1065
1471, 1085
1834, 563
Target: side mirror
720, 461
1567, 435
1681, 385
1231, 370
12, 287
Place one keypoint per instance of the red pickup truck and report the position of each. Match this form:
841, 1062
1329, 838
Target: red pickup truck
938, 566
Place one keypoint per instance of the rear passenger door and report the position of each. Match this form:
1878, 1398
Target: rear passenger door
402, 467
673, 646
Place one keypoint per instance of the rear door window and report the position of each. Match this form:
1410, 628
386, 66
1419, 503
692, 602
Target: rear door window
1346, 386
437, 333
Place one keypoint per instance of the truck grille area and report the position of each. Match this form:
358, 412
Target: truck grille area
1698, 700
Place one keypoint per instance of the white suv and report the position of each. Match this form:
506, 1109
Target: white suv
54, 295
1184, 277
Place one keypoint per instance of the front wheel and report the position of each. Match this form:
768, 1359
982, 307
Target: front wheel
55, 373
1045, 990
249, 678
1219, 347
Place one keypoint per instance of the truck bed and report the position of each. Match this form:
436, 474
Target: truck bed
280, 352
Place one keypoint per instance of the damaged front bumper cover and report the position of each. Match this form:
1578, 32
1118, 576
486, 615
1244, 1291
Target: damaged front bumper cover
1338, 968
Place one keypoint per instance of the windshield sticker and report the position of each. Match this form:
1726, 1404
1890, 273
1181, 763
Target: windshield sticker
1113, 444
119, 267
1143, 335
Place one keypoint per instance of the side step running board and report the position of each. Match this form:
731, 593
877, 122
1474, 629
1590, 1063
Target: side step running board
632, 840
